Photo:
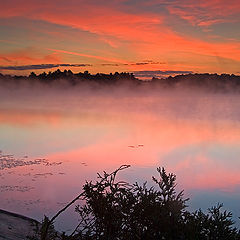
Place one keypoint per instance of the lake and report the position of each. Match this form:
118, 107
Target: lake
54, 139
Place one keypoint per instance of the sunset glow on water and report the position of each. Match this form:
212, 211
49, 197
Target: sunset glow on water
74, 134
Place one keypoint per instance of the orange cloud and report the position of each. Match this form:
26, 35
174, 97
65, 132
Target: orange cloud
142, 32
89, 56
28, 56
205, 13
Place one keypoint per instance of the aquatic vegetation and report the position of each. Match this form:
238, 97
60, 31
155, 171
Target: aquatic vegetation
8, 161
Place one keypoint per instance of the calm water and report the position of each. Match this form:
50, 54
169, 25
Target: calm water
57, 139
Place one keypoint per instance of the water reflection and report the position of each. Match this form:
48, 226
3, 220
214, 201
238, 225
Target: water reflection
63, 138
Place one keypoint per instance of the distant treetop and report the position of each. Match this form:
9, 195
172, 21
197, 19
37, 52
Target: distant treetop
211, 81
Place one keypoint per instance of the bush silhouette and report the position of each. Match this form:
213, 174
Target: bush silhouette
117, 210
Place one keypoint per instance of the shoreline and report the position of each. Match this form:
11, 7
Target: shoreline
17, 227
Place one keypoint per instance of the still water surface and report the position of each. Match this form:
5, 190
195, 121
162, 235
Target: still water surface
58, 139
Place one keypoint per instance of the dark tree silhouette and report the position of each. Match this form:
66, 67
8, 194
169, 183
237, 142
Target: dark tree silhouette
118, 210
215, 82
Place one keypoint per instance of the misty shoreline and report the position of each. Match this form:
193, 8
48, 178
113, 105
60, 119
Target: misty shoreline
67, 79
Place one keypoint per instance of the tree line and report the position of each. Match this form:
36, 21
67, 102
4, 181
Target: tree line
203, 80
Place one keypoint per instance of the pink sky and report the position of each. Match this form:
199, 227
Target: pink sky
111, 36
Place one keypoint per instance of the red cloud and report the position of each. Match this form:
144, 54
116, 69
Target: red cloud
89, 56
205, 13
145, 33
28, 56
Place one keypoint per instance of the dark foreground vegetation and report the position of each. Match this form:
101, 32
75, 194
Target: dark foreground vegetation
117, 210
210, 81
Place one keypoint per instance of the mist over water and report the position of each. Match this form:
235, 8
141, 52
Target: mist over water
61, 136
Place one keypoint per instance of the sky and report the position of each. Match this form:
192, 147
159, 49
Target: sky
150, 36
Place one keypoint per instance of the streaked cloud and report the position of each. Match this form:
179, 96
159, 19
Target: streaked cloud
146, 62
41, 66
124, 31
28, 56
159, 73
89, 56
